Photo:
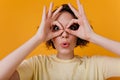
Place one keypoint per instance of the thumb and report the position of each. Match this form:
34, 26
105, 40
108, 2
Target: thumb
55, 34
71, 31
58, 33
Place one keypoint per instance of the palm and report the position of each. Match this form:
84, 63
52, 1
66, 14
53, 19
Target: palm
44, 31
84, 31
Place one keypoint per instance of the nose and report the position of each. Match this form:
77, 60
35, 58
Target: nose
65, 34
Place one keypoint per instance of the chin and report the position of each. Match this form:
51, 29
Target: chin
65, 51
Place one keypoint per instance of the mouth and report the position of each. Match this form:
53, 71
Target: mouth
65, 44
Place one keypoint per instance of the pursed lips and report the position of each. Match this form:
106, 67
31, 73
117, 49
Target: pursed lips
65, 44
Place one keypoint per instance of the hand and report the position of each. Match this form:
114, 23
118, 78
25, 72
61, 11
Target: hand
45, 29
84, 31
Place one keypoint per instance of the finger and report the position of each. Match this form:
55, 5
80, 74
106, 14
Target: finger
43, 17
71, 32
82, 10
84, 15
79, 6
58, 33
50, 10
56, 12
58, 24
74, 10
55, 34
44, 13
72, 22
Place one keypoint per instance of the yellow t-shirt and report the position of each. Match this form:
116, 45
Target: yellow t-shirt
79, 68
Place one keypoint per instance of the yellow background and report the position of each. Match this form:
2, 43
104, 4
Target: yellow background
19, 20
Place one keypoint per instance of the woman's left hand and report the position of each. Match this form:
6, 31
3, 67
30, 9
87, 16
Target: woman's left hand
84, 31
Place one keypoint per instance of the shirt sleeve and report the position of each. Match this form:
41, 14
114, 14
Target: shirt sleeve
110, 66
25, 70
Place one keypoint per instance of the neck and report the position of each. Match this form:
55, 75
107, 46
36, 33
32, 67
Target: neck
65, 56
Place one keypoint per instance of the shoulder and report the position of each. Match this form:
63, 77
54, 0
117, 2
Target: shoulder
40, 58
99, 60
35, 61
95, 59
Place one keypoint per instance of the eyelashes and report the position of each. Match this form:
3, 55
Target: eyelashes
55, 28
74, 27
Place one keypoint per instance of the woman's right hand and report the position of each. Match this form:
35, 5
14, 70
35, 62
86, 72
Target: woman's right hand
45, 32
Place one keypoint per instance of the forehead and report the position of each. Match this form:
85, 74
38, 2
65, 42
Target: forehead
65, 18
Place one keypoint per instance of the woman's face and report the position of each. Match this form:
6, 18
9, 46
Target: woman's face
65, 42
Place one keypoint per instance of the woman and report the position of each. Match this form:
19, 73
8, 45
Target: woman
64, 30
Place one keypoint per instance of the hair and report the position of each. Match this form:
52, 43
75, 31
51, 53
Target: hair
80, 42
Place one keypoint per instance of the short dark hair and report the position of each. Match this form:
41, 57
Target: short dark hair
80, 42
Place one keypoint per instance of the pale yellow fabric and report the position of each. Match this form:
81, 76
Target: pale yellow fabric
78, 68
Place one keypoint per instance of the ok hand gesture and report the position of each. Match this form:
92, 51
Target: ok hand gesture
84, 31
45, 32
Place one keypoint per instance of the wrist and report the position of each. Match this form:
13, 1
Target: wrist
38, 39
92, 37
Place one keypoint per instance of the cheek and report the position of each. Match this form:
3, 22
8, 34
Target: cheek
73, 40
73, 37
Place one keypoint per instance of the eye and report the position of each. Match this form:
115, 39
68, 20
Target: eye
74, 26
55, 28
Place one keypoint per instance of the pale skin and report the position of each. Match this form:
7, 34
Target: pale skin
8, 65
